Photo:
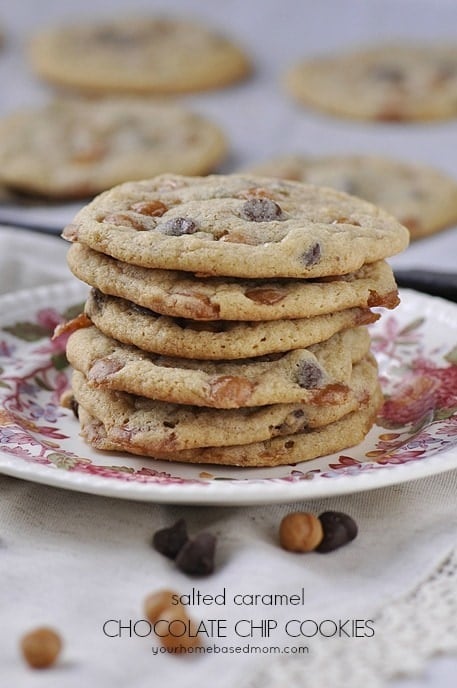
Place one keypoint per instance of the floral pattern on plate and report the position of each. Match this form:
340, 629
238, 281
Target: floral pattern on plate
417, 356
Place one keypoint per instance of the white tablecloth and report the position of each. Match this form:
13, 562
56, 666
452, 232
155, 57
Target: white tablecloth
75, 561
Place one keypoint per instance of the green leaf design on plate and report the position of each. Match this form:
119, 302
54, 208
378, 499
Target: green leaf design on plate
62, 460
41, 383
72, 311
28, 331
60, 361
451, 357
412, 326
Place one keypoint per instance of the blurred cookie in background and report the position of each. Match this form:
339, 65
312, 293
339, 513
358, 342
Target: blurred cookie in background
141, 55
391, 83
420, 197
75, 148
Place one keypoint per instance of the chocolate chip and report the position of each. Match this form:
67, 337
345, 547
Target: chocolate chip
169, 541
177, 226
74, 406
197, 556
260, 210
309, 375
312, 255
387, 73
96, 301
339, 529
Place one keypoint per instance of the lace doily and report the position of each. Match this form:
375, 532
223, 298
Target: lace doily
425, 619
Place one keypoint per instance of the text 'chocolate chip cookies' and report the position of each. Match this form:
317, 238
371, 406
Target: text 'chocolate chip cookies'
227, 321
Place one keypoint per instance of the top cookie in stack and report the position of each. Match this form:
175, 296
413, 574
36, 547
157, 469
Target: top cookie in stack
227, 323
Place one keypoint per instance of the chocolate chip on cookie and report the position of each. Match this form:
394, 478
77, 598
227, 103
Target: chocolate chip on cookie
260, 210
178, 226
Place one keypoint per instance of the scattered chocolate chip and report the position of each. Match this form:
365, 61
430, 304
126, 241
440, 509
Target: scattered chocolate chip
177, 226
339, 529
309, 375
197, 556
169, 541
260, 210
312, 255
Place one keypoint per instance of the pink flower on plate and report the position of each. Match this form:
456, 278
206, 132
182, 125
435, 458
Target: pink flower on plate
409, 403
345, 462
445, 394
49, 318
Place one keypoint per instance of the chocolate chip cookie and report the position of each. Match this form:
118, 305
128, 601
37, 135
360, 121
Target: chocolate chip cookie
317, 375
389, 83
237, 225
217, 340
420, 197
138, 422
75, 148
289, 449
137, 55
183, 295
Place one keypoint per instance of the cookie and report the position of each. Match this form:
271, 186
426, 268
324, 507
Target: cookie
218, 340
319, 374
237, 225
289, 449
388, 83
166, 428
76, 148
183, 295
423, 199
137, 55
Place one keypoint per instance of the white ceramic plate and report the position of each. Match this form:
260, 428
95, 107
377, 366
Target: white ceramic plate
38, 215
416, 434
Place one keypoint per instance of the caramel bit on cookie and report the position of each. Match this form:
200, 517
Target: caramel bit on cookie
345, 221
412, 223
366, 317
90, 153
312, 255
71, 232
230, 391
309, 375
103, 368
267, 296
255, 192
178, 226
240, 237
260, 210
72, 325
125, 220
199, 306
331, 394
151, 208
391, 114
390, 300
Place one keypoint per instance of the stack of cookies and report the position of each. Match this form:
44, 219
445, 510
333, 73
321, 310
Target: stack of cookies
227, 320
